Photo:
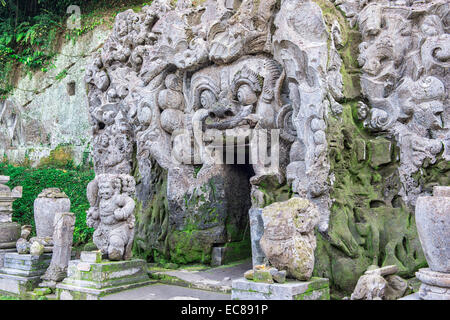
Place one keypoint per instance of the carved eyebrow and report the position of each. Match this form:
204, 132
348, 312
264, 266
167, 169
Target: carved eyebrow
201, 83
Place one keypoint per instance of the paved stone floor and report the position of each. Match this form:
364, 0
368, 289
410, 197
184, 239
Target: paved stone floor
166, 292
216, 283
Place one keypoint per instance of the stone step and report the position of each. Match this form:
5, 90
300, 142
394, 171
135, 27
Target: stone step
314, 289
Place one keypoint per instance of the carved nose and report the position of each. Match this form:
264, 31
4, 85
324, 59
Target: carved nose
221, 112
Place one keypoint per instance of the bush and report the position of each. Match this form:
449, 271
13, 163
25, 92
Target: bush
73, 182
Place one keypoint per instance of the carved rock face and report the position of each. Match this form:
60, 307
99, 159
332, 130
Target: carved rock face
234, 94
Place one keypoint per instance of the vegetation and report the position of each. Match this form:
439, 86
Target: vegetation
30, 32
71, 180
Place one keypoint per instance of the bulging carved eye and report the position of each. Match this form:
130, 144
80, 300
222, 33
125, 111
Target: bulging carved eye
207, 98
246, 96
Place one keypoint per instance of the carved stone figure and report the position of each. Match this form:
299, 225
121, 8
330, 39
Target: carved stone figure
64, 224
112, 214
289, 241
380, 284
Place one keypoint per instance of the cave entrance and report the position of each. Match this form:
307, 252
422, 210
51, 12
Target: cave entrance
237, 173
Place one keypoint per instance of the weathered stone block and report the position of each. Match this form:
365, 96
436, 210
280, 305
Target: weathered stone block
380, 152
3, 252
91, 256
315, 289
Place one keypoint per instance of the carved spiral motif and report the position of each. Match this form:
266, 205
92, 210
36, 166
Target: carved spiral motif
246, 96
379, 119
284, 122
207, 99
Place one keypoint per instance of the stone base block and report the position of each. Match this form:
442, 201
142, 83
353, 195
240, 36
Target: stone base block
3, 252
90, 281
18, 285
25, 265
22, 272
315, 289
435, 285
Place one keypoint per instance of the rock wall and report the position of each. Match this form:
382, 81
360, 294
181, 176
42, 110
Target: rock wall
357, 91
47, 110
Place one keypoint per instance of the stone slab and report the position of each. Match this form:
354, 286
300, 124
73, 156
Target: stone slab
217, 279
72, 292
166, 292
315, 289
414, 296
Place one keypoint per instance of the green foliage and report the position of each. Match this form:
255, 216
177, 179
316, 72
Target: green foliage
72, 182
29, 31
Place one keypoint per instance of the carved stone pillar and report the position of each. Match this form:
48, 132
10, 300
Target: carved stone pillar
63, 224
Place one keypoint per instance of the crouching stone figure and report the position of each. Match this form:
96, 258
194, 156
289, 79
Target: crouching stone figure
112, 214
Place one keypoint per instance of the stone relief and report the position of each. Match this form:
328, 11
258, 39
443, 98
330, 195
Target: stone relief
404, 59
218, 71
226, 69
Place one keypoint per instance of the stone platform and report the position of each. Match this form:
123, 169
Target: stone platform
315, 289
22, 272
92, 280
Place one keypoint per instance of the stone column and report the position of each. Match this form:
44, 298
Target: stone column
64, 224
256, 231
49, 202
9, 231
433, 226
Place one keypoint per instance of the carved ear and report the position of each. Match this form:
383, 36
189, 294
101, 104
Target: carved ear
92, 192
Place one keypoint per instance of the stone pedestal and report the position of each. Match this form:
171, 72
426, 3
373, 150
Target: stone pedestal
9, 231
315, 289
433, 226
435, 285
92, 280
22, 272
